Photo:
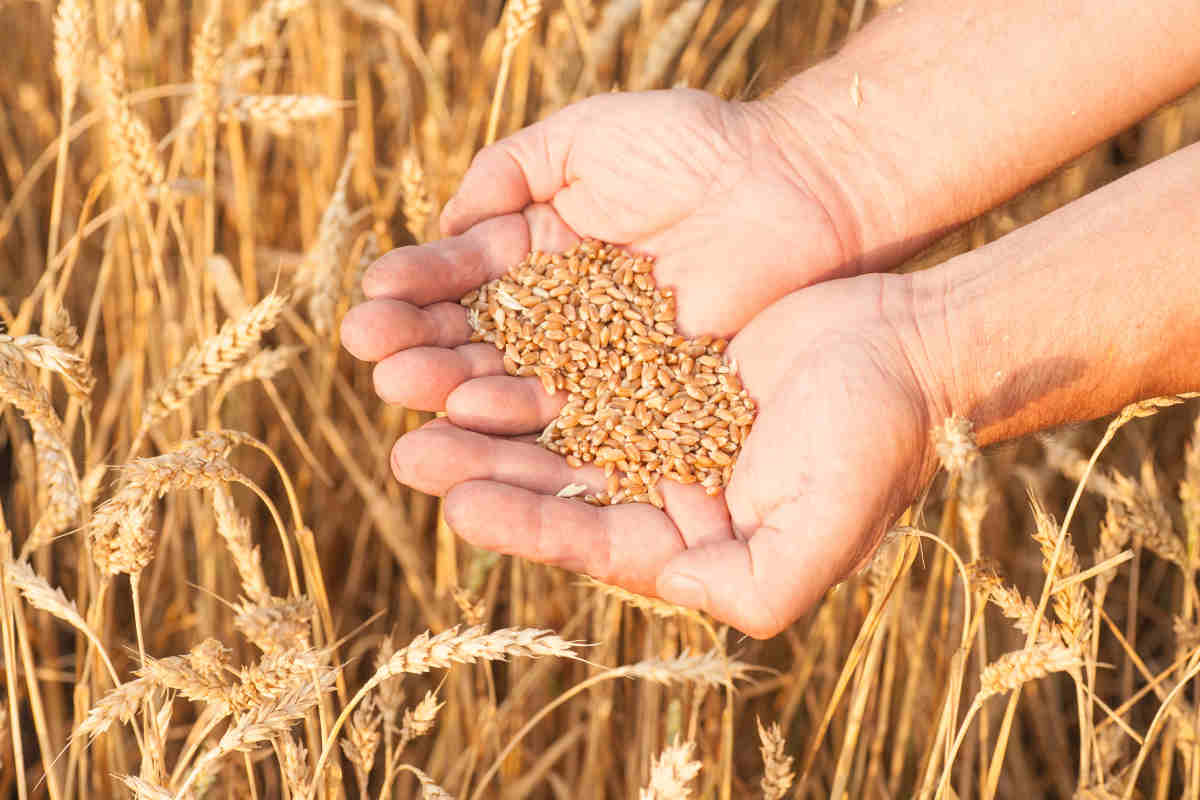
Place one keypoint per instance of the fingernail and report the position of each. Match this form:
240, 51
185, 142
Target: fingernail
684, 591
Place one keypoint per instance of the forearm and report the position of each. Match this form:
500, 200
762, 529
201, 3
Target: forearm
1074, 316
940, 109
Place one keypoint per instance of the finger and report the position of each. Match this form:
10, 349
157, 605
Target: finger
625, 545
701, 518
375, 329
448, 269
524, 168
440, 455
421, 378
504, 406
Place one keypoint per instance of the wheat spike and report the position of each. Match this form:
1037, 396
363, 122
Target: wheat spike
119, 535
57, 477
46, 354
361, 741
519, 17
119, 705
295, 767
453, 646
1019, 667
1072, 606
266, 19
274, 624
417, 205
129, 137
206, 62
671, 773
707, 669
235, 530
279, 111
668, 42
204, 363
777, 764
607, 35
72, 20
325, 261
144, 790
420, 720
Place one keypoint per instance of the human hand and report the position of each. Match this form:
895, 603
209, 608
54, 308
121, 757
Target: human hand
700, 183
840, 447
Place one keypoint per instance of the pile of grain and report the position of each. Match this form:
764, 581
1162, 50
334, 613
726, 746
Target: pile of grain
644, 402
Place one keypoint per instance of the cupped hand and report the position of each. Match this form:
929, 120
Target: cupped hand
735, 220
840, 447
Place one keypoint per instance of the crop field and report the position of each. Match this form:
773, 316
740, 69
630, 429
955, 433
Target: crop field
214, 588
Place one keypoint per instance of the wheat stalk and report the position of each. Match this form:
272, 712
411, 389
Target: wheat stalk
668, 42
519, 18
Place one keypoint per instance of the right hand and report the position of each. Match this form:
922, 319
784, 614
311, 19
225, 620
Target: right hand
735, 219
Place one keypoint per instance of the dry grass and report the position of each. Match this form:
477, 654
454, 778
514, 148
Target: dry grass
212, 586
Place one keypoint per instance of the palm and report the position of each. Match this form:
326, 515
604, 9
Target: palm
829, 463
690, 179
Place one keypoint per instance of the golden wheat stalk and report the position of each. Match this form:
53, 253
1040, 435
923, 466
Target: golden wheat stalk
519, 18
668, 42
325, 261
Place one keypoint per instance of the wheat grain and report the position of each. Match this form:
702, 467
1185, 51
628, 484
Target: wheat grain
643, 402
777, 764
455, 646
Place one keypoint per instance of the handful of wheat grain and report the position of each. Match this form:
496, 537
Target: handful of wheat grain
644, 402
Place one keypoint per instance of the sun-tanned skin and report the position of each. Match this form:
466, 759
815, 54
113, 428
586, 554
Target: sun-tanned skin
771, 220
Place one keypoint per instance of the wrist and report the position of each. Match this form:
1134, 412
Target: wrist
1071, 317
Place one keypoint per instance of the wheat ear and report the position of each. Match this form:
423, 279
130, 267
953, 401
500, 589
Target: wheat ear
519, 17
671, 773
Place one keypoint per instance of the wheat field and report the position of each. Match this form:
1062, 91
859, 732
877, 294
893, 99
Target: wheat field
214, 588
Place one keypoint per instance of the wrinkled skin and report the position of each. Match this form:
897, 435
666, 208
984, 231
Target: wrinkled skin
840, 444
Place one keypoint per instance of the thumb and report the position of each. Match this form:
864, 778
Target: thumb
762, 584
525, 168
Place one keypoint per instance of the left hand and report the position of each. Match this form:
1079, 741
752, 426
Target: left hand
840, 447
